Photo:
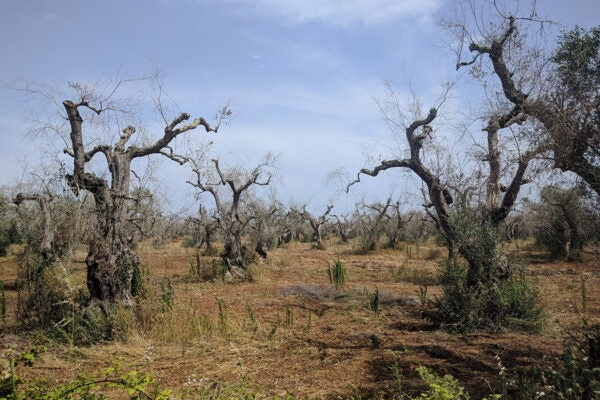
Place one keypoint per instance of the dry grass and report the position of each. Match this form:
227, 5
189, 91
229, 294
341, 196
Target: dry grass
290, 332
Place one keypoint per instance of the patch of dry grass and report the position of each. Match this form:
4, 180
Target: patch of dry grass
289, 331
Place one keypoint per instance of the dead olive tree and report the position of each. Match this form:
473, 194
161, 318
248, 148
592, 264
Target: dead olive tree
90, 134
203, 230
395, 226
316, 223
231, 206
47, 235
482, 258
561, 91
344, 227
370, 220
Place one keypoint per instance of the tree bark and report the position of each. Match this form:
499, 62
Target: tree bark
111, 260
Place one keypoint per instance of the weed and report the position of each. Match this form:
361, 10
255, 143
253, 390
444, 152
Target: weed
222, 316
440, 388
253, 322
398, 376
308, 322
289, 316
423, 294
274, 329
337, 273
373, 300
167, 295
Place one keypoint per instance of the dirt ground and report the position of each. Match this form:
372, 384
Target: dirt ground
290, 332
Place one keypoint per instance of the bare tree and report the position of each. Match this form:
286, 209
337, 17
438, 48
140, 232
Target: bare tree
344, 227
47, 235
316, 223
571, 215
231, 211
439, 206
564, 99
111, 261
267, 227
204, 229
395, 225
370, 220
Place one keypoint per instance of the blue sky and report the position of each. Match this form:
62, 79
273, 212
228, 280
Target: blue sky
300, 74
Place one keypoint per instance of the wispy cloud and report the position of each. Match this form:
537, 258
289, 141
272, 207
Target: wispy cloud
343, 12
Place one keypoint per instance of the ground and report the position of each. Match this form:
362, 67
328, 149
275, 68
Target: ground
290, 332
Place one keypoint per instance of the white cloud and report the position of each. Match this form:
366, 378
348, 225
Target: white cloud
343, 12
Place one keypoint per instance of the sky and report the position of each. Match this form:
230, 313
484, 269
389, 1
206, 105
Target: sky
299, 75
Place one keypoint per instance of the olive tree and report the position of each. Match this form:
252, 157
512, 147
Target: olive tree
316, 223
232, 212
98, 132
560, 91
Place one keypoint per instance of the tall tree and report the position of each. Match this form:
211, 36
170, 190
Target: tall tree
566, 100
111, 259
482, 258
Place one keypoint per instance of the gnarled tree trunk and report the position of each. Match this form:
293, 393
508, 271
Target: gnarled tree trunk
111, 260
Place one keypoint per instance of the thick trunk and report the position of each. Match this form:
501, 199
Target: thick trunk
575, 236
111, 262
234, 254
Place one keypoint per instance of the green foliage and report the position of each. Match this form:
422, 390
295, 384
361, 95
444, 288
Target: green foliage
477, 243
132, 385
441, 387
337, 273
167, 295
373, 300
482, 292
576, 374
188, 241
462, 308
578, 60
520, 303
9, 379
222, 316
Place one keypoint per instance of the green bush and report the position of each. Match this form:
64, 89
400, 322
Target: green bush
520, 303
462, 308
188, 241
441, 387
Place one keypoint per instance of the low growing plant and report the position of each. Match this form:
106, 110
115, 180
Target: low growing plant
337, 273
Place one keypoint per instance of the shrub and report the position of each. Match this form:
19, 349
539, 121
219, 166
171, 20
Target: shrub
188, 241
461, 308
441, 387
373, 300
